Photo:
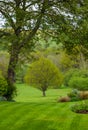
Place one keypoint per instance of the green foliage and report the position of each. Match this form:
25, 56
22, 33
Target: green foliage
74, 73
4, 61
3, 85
79, 83
80, 108
68, 76
20, 72
74, 95
43, 74
81, 73
65, 61
11, 92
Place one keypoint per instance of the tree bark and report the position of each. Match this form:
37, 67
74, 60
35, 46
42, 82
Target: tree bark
12, 65
44, 94
11, 71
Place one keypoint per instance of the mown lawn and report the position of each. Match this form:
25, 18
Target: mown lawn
34, 112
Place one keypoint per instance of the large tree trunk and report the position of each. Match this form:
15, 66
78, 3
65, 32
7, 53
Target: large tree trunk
11, 71
44, 88
44, 94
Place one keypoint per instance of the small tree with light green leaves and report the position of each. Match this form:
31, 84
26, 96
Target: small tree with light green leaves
43, 74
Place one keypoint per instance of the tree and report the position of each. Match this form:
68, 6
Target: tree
4, 61
22, 20
18, 15
43, 74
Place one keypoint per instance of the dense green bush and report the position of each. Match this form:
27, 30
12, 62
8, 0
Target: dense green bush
81, 73
3, 85
80, 108
74, 73
74, 95
68, 76
11, 92
79, 83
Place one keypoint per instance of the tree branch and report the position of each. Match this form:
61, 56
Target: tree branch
33, 32
8, 17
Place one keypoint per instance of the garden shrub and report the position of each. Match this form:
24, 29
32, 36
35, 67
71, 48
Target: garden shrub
74, 73
79, 83
80, 108
83, 95
74, 95
11, 92
81, 73
68, 76
64, 99
3, 85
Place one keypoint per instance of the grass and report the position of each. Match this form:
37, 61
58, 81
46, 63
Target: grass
33, 95
34, 112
